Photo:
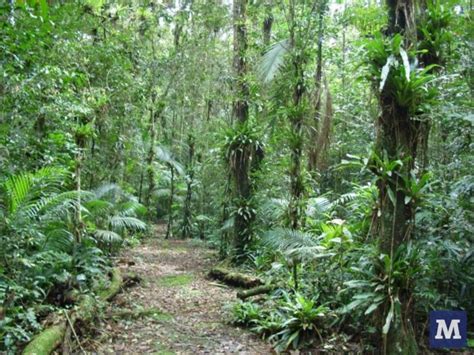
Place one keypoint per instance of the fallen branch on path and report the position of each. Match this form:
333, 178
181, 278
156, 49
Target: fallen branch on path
233, 278
256, 291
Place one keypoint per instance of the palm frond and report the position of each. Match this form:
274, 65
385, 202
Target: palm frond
124, 222
25, 189
108, 237
285, 239
318, 206
17, 189
294, 244
164, 155
112, 191
131, 208
272, 61
99, 207
346, 198
56, 205
58, 239
274, 208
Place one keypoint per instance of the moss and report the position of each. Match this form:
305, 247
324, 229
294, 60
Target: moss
46, 341
49, 339
233, 278
161, 349
114, 286
154, 313
175, 280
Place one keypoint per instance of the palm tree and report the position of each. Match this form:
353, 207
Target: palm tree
164, 155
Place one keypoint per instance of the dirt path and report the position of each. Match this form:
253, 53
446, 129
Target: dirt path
175, 309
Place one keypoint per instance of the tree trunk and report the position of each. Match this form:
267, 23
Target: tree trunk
187, 215
314, 148
296, 117
267, 25
78, 173
169, 227
79, 225
397, 137
150, 159
241, 155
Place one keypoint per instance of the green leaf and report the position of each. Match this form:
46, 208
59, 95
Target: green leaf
388, 320
372, 308
391, 195
406, 63
272, 61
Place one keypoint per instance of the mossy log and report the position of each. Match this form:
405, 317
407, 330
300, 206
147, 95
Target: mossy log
233, 278
255, 291
115, 283
50, 338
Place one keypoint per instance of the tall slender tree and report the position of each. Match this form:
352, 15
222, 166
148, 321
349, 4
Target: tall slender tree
241, 148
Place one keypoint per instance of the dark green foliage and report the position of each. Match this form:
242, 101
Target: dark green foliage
104, 101
41, 264
287, 320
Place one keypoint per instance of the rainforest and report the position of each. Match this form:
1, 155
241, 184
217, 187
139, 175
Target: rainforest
236, 176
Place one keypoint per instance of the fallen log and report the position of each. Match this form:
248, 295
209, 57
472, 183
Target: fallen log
233, 278
244, 294
48, 340
52, 337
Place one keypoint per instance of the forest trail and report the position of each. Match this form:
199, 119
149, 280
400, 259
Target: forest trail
175, 309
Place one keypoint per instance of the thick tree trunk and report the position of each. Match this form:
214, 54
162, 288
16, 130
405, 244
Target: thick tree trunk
397, 137
241, 155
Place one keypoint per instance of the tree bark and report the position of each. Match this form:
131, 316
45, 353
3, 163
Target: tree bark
170, 206
314, 148
187, 215
241, 155
397, 139
296, 117
267, 24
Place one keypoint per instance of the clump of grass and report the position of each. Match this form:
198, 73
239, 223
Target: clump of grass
163, 350
175, 280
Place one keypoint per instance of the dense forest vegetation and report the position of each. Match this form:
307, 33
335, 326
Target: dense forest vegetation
322, 146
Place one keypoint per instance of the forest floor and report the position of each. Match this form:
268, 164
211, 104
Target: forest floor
174, 309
